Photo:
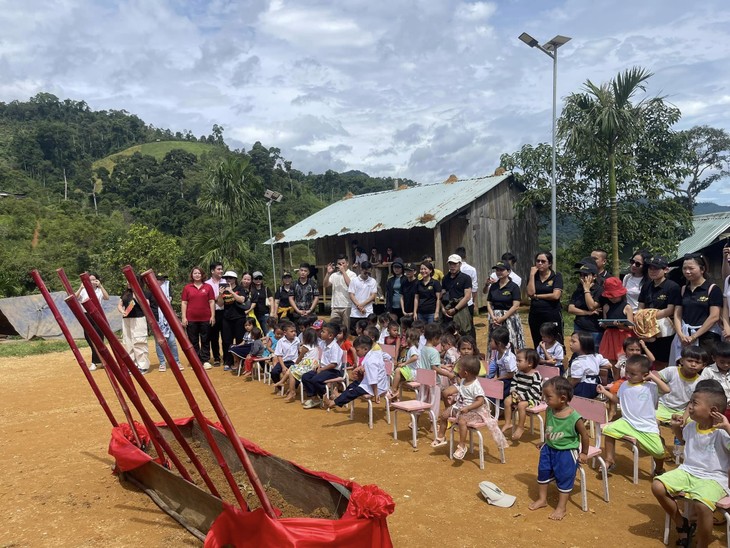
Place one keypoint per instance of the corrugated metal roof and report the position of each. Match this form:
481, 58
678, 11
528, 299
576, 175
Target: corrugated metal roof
412, 207
706, 230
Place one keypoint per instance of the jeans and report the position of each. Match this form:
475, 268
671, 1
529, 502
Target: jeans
173, 349
426, 318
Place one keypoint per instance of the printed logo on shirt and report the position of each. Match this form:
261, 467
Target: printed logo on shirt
703, 299
661, 298
506, 292
553, 436
549, 283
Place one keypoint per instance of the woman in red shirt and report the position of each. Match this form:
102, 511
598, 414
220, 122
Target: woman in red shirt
198, 313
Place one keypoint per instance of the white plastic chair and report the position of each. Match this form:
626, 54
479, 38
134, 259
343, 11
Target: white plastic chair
423, 403
492, 389
546, 372
594, 411
722, 506
369, 400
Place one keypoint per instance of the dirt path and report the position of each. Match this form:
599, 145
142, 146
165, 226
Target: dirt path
57, 488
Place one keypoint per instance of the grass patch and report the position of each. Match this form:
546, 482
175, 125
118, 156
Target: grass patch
21, 349
157, 149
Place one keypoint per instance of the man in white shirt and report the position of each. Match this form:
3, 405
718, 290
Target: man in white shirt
338, 278
363, 290
214, 334
466, 268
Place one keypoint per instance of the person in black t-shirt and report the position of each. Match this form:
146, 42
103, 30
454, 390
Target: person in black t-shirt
281, 299
585, 302
457, 287
409, 285
503, 304
427, 302
545, 288
261, 298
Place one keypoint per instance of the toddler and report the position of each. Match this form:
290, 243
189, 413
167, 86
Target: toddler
586, 365
550, 351
526, 391
681, 381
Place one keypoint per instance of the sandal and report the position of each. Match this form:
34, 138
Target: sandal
687, 529
460, 452
439, 442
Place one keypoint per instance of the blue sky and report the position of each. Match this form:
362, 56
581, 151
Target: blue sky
417, 89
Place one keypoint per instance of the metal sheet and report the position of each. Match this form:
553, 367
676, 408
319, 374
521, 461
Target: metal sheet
706, 230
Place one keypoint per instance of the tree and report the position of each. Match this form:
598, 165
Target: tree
705, 160
603, 121
228, 191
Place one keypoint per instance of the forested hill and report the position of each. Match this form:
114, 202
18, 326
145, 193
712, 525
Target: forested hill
100, 189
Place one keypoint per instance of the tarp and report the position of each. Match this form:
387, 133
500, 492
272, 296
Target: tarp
362, 526
30, 316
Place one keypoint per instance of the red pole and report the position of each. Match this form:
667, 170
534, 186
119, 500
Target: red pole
75, 349
115, 386
161, 445
192, 403
210, 391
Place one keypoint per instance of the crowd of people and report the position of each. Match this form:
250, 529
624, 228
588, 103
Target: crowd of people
654, 351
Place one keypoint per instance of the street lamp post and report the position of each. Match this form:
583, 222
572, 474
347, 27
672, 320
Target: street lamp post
551, 50
272, 196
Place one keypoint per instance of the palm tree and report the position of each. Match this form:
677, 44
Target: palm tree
227, 192
604, 121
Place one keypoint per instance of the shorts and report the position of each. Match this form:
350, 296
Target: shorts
664, 413
559, 465
706, 491
408, 373
648, 441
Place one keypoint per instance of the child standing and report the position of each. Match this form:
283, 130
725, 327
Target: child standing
470, 406
564, 433
586, 366
374, 382
550, 351
526, 391
639, 397
503, 364
682, 381
703, 476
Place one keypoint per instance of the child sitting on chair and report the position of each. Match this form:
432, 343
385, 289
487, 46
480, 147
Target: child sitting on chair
247, 352
308, 360
682, 381
525, 392
564, 433
550, 350
632, 346
639, 396
286, 351
374, 382
407, 370
703, 476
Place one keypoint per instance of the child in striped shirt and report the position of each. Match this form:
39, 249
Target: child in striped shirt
526, 391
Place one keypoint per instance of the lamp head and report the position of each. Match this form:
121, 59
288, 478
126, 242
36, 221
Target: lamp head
529, 40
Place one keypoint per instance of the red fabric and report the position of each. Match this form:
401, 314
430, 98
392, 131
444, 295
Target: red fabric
346, 345
362, 526
198, 309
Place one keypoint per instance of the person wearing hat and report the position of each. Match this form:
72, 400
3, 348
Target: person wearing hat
503, 303
198, 313
660, 295
619, 310
261, 299
338, 277
409, 284
363, 290
468, 269
216, 277
456, 294
306, 294
281, 298
585, 302
393, 288
235, 300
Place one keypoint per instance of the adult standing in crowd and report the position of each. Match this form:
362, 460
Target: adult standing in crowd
601, 258
427, 302
362, 291
512, 260
261, 300
236, 302
637, 277
468, 269
437, 274
134, 328
695, 319
282, 305
726, 291
545, 288
338, 278
198, 313
585, 302
503, 304
409, 285
456, 294
394, 288
663, 295
101, 295
164, 326
306, 294
216, 276
360, 257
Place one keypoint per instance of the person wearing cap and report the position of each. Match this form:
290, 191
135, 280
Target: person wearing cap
456, 294
409, 284
306, 294
503, 304
338, 277
363, 290
393, 288
585, 302
235, 300
545, 289
261, 299
616, 308
198, 313
468, 269
660, 295
282, 307
216, 277
637, 277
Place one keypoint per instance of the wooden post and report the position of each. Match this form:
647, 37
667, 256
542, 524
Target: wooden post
438, 254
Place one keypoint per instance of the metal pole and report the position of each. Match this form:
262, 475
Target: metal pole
271, 239
554, 191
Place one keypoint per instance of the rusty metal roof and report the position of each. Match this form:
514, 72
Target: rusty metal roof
707, 228
421, 206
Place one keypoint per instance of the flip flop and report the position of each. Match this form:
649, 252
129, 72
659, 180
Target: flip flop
439, 442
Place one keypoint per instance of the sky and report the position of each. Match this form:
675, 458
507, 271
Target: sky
418, 89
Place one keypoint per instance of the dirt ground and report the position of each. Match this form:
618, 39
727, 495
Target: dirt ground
57, 488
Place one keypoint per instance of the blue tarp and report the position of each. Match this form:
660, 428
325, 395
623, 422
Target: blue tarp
30, 316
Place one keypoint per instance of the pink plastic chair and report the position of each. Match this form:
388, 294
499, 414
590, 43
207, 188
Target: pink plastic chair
369, 400
343, 380
423, 403
390, 350
594, 411
546, 372
492, 389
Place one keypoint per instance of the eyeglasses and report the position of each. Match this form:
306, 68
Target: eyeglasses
540, 261
632, 262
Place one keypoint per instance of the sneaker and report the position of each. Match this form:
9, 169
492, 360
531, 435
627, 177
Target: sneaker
207, 365
93, 367
216, 363
180, 366
311, 404
163, 368
226, 368
144, 371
